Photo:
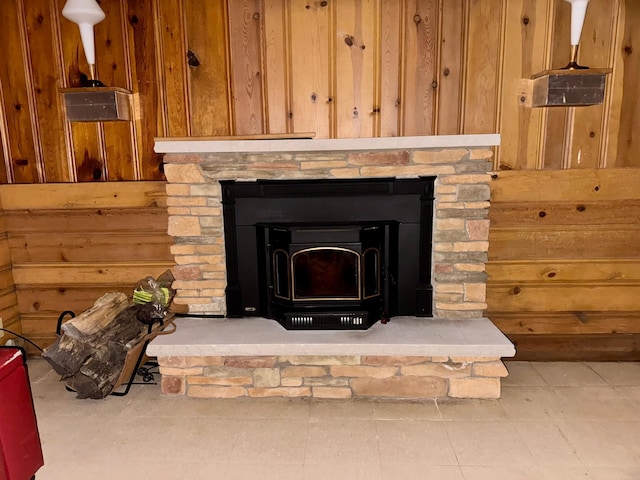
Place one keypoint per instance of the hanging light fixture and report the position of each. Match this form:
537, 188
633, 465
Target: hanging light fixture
86, 13
578, 12
571, 86
99, 103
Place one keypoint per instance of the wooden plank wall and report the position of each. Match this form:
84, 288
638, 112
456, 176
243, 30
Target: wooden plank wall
564, 269
9, 315
70, 244
339, 68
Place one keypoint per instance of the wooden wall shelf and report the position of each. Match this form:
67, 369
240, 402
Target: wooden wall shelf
565, 88
98, 104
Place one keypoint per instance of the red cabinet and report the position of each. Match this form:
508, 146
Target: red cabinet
20, 450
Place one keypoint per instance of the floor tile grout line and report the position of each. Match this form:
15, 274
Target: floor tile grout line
635, 383
629, 402
533, 366
526, 445
569, 443
505, 380
437, 402
376, 423
306, 436
453, 448
588, 365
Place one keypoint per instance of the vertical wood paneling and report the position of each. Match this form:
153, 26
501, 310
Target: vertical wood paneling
217, 67
554, 128
450, 71
45, 74
87, 154
356, 51
4, 157
67, 157
311, 90
520, 126
113, 71
208, 70
421, 33
390, 61
171, 42
276, 66
246, 70
140, 18
483, 67
19, 135
630, 116
614, 92
594, 52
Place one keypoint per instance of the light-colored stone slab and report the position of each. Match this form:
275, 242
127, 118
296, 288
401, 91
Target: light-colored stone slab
406, 336
193, 145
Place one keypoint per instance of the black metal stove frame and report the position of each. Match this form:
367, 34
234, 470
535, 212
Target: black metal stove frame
405, 206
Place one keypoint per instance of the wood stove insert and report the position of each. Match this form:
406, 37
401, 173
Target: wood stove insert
328, 254
328, 276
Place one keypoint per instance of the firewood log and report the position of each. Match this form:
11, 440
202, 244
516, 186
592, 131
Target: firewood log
98, 317
98, 374
69, 352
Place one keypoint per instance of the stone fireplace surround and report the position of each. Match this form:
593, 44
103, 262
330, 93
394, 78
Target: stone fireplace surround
456, 353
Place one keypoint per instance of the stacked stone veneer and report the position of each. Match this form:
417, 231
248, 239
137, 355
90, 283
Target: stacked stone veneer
461, 227
332, 376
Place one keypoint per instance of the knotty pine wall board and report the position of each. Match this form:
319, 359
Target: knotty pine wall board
567, 323
21, 162
565, 213
38, 246
626, 100
451, 70
171, 43
584, 347
207, 57
245, 39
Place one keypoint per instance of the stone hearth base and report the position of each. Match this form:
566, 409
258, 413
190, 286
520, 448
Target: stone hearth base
332, 377
408, 358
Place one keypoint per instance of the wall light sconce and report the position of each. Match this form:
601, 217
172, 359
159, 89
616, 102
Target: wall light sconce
571, 86
93, 102
86, 13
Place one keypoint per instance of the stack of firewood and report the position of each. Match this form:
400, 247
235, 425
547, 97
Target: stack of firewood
94, 347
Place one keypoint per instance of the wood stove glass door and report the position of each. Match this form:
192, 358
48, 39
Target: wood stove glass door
325, 273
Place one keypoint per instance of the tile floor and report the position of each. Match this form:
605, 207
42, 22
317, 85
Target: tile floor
554, 421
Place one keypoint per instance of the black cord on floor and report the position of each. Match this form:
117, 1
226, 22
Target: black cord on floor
198, 315
20, 336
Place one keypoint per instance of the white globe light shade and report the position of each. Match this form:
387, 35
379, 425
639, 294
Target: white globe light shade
86, 13
578, 12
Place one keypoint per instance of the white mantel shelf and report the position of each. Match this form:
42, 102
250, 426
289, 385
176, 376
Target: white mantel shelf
200, 145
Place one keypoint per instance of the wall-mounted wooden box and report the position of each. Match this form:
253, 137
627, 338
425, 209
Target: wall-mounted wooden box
565, 88
97, 104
